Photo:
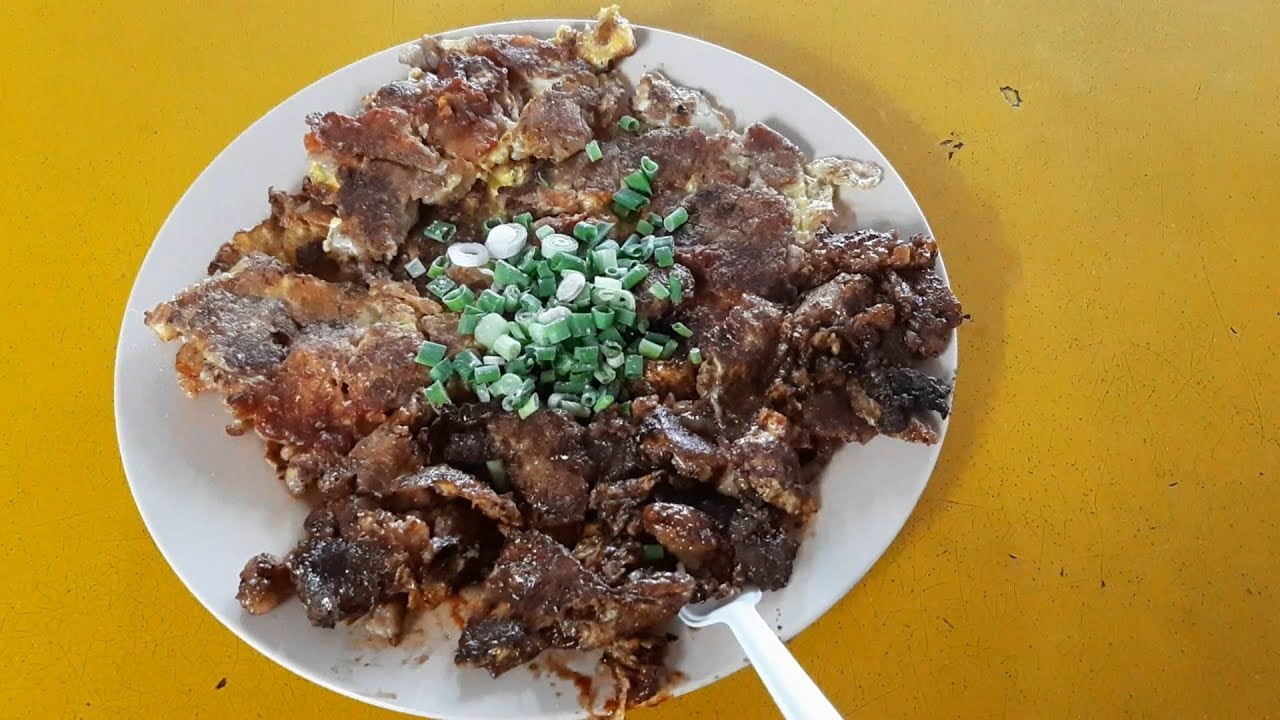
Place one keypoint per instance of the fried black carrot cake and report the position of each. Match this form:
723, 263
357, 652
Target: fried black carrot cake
577, 344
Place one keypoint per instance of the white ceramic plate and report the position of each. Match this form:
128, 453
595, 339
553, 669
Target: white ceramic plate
210, 502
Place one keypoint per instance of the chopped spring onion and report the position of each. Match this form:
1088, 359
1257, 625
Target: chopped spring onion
605, 374
506, 240
604, 282
415, 268
604, 259
493, 360
441, 286
585, 231
530, 406
604, 402
507, 346
681, 329
558, 331
628, 123
648, 166
468, 255
639, 182
438, 267
633, 369
545, 355
555, 243
468, 322
565, 261
587, 355
483, 394
630, 199
545, 287
649, 349
675, 219
603, 317
504, 273
492, 223
486, 374
437, 395
644, 227
511, 298
440, 231
430, 353
441, 371
458, 298
623, 316
490, 301
491, 327
695, 356
575, 409
543, 231
582, 324
659, 291
669, 350
571, 285
530, 302
497, 471
634, 275
653, 553
664, 256
593, 151
525, 219
552, 314
677, 289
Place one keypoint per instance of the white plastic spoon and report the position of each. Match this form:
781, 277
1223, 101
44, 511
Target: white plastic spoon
793, 691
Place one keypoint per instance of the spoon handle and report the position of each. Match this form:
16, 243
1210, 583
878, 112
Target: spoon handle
793, 691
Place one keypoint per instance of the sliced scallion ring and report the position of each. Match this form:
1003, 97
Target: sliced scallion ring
468, 254
506, 240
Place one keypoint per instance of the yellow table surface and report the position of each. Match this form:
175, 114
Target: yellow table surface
1100, 538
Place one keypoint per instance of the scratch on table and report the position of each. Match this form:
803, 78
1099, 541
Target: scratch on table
1235, 352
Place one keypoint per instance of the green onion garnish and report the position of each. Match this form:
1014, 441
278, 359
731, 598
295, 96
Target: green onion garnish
441, 286
437, 395
440, 231
415, 269
489, 301
603, 317
677, 289
458, 298
581, 324
593, 151
628, 123
468, 322
497, 472
639, 182
623, 316
525, 219
634, 276
664, 256
644, 227
530, 406
630, 199
438, 267
695, 356
681, 329
653, 553
486, 374
660, 291
649, 349
585, 231
492, 223
507, 347
430, 353
441, 371
649, 167
633, 368
543, 231
490, 328
504, 273
675, 219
